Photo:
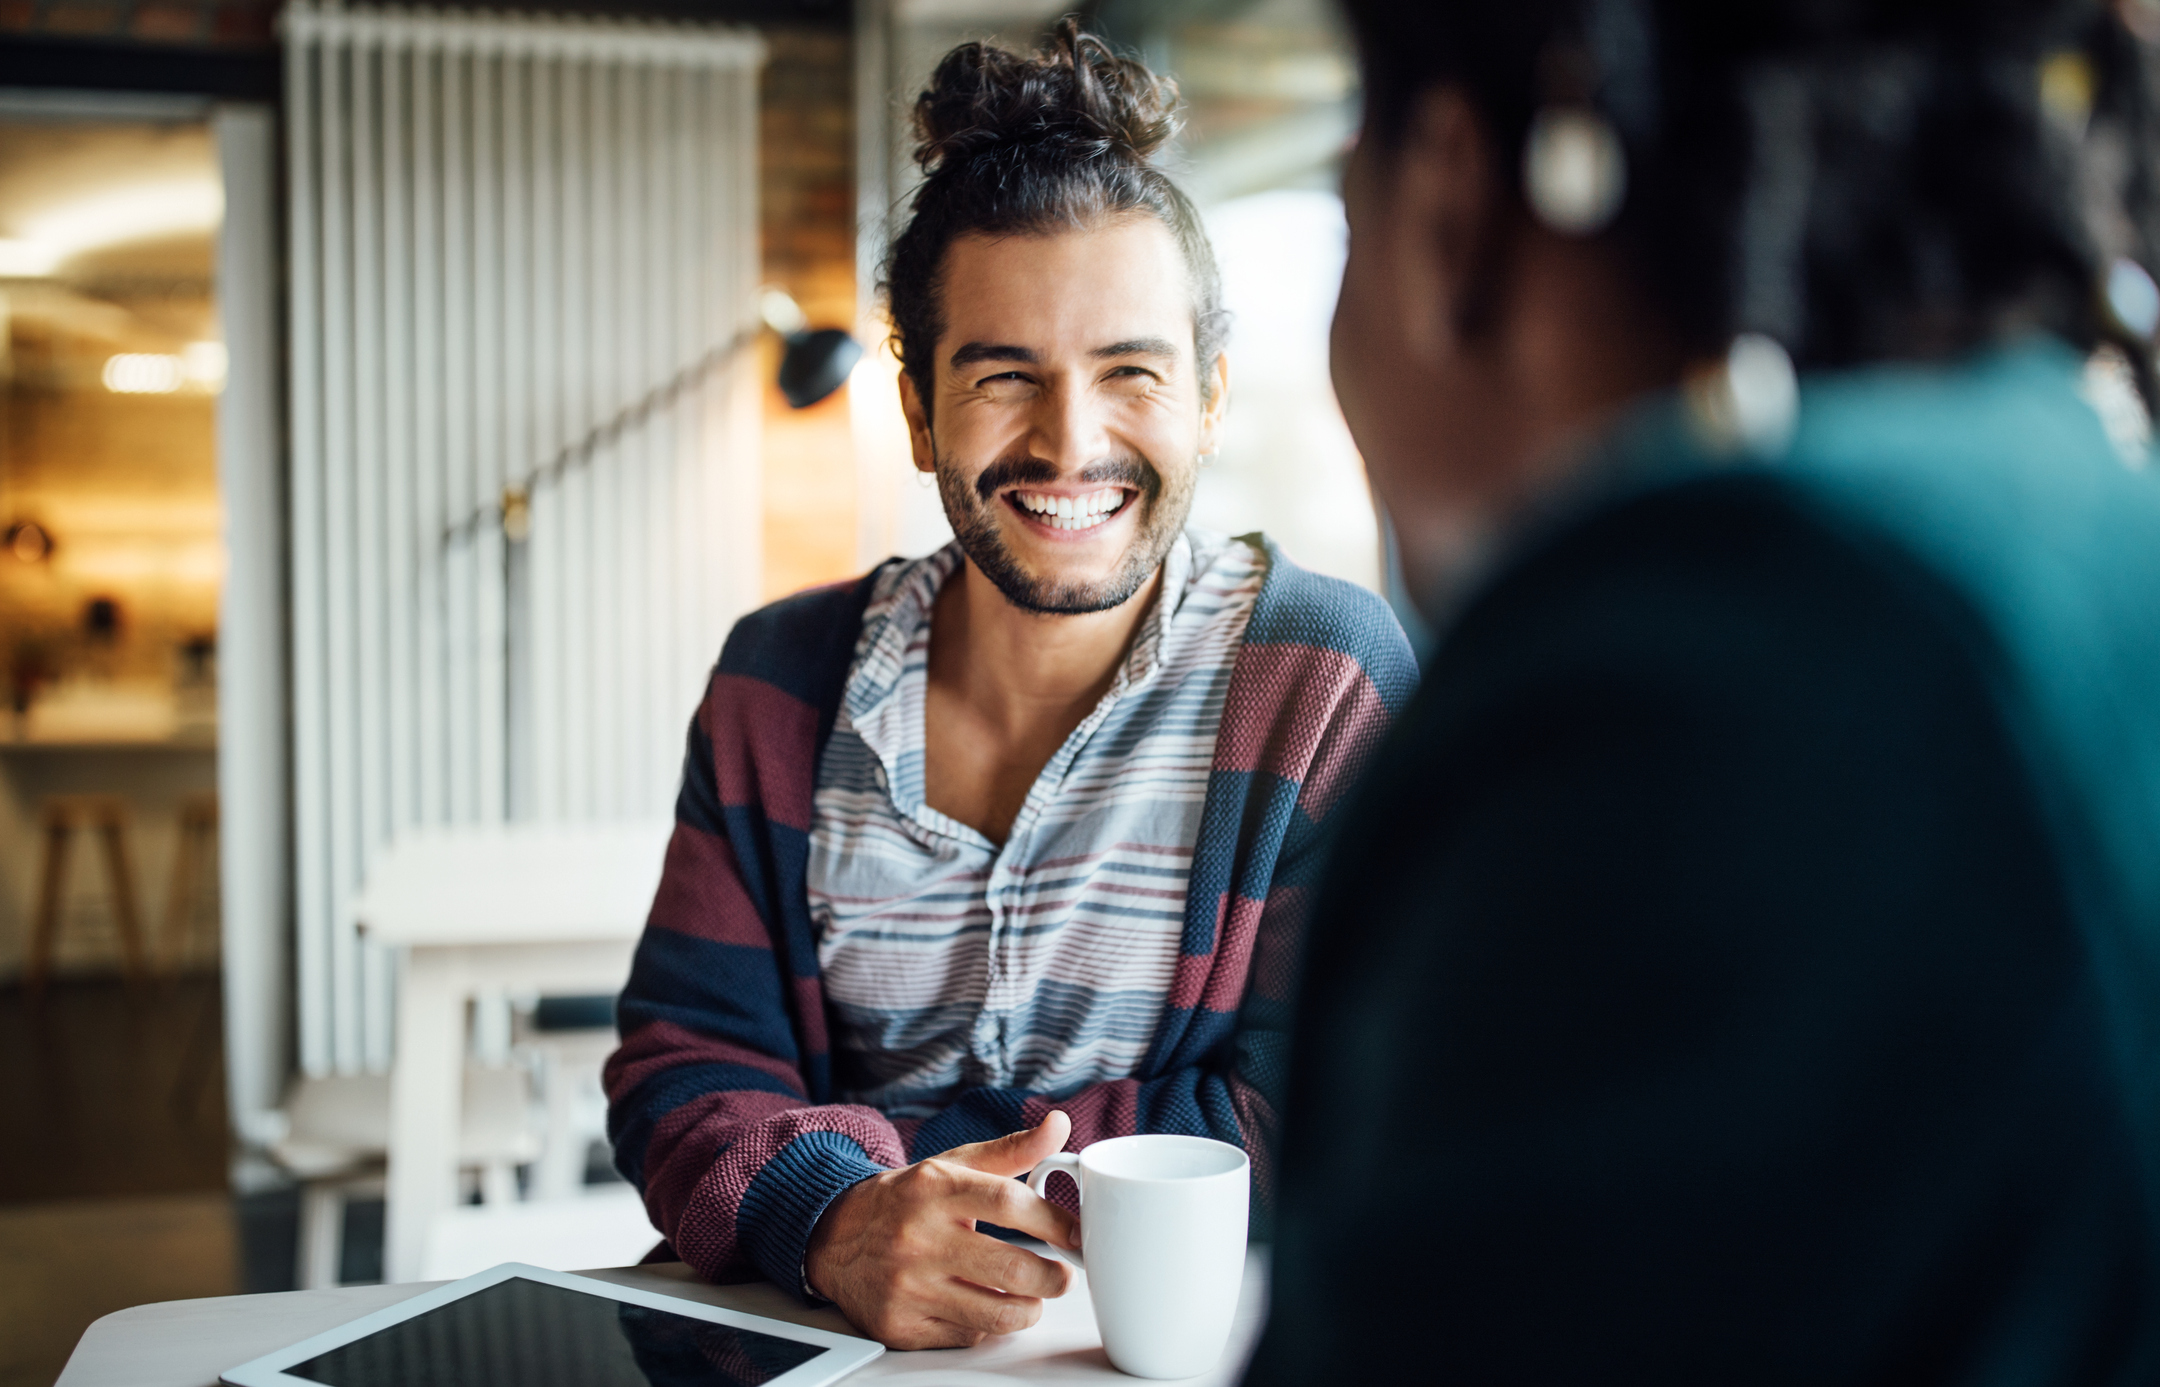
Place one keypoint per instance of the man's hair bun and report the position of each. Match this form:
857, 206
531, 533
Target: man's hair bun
1077, 99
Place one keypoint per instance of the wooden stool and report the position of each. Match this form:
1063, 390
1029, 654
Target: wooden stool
106, 815
193, 896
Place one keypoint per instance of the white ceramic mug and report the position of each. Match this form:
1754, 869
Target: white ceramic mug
1162, 1237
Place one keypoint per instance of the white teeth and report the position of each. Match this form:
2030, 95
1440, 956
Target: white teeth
1072, 513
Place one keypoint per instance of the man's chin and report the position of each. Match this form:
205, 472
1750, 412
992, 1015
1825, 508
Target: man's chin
1061, 589
1052, 595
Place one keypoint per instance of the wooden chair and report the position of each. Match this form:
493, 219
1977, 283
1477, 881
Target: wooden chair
193, 898
107, 817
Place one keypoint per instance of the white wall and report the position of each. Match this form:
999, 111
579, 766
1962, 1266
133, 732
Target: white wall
254, 840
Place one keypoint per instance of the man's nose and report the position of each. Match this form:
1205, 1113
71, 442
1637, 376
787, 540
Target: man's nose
1070, 430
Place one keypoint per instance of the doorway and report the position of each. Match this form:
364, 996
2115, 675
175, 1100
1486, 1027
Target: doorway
112, 570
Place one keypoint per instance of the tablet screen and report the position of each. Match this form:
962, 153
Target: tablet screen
520, 1333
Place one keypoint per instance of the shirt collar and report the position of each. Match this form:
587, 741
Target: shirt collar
902, 609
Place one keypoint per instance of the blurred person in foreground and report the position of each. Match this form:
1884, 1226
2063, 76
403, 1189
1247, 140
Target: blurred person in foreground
1003, 850
1743, 963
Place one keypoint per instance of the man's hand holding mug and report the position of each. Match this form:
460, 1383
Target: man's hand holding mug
1164, 1238
900, 1255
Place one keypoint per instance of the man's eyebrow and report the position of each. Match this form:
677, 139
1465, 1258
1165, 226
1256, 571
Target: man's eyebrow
1139, 346
991, 351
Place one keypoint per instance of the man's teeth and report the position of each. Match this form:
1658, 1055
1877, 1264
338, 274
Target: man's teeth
1072, 512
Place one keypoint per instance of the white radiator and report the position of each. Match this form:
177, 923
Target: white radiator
524, 496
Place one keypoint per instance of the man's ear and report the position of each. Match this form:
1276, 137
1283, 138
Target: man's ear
1446, 207
918, 425
1217, 406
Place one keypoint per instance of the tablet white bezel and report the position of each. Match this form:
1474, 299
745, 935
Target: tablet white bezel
847, 1353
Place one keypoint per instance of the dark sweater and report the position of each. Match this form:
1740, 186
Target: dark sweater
722, 1103
1743, 964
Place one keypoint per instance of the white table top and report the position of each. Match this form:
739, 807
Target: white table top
514, 884
187, 1343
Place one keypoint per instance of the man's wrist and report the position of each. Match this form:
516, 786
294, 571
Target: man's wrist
810, 1245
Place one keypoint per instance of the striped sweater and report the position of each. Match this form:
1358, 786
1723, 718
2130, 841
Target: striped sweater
1042, 962
722, 1106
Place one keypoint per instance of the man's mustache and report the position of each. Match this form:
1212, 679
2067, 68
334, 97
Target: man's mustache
1131, 470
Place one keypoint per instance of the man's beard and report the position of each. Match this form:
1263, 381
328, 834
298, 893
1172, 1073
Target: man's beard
1163, 509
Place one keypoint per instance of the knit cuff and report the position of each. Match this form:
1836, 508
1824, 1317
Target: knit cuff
790, 1194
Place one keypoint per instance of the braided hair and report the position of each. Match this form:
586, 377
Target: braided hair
1858, 179
1018, 145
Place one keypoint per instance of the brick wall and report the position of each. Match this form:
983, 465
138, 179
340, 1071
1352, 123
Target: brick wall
807, 187
194, 23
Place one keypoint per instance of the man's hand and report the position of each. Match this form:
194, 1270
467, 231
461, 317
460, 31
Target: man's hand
900, 1256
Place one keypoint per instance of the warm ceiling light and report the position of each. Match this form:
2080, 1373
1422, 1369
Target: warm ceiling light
204, 364
117, 216
142, 373
21, 259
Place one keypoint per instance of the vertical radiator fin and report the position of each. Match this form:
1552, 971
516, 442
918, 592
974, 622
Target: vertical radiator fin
505, 233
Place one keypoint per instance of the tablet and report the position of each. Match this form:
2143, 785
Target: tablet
520, 1326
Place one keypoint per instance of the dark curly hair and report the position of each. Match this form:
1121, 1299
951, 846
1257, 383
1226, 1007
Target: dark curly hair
1859, 179
1017, 145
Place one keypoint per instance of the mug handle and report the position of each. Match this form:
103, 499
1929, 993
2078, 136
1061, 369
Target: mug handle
1040, 1176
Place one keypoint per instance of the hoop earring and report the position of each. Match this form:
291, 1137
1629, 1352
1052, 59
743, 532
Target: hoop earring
1574, 170
1750, 401
925, 480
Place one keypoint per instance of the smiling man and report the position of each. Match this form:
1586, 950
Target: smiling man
1003, 850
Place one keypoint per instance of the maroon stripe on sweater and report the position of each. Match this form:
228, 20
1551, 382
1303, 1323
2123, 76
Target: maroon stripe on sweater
664, 1045
686, 1142
1279, 946
1098, 1112
1216, 980
1360, 724
763, 740
1233, 954
701, 892
810, 1014
1304, 713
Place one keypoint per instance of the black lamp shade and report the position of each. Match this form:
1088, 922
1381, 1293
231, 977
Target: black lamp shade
816, 364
